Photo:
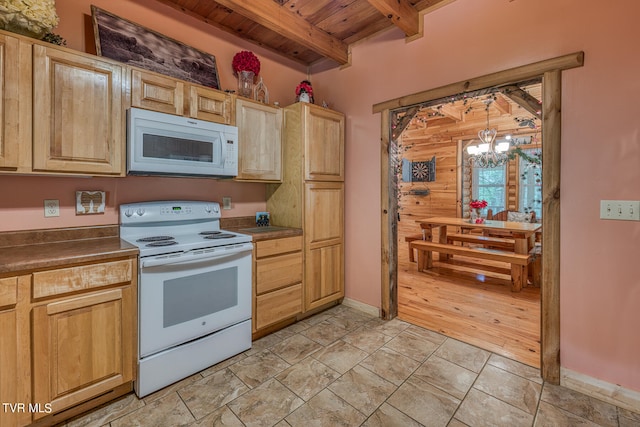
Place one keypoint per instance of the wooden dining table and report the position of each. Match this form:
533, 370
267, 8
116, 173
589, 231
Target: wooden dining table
522, 234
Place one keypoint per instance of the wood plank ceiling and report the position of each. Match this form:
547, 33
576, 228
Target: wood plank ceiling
309, 30
513, 110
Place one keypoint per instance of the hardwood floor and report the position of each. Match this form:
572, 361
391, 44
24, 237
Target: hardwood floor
477, 308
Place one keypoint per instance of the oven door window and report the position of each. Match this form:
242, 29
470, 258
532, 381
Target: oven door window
185, 301
194, 297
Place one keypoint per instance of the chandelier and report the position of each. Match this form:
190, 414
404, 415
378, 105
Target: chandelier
488, 154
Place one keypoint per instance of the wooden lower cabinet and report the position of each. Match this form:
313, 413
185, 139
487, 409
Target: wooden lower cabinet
277, 281
15, 380
278, 305
324, 243
67, 337
82, 347
324, 272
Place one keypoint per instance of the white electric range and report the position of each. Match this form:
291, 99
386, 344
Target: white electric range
194, 289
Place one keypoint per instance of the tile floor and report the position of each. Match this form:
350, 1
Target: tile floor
345, 368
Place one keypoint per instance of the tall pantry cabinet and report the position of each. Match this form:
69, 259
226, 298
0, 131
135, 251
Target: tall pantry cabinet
311, 197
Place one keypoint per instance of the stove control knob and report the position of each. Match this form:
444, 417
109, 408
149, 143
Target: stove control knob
140, 211
216, 208
128, 212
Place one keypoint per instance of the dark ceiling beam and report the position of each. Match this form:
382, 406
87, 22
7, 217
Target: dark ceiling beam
279, 19
401, 13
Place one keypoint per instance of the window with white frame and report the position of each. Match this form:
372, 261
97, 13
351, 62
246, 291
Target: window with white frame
490, 184
530, 188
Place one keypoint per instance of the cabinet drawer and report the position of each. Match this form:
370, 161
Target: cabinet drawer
9, 291
278, 246
278, 305
63, 280
278, 272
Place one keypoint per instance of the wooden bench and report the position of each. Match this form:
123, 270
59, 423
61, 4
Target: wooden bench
487, 241
518, 262
536, 265
410, 239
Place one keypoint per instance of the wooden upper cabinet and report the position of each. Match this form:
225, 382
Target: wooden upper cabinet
153, 91
15, 105
158, 93
324, 144
210, 104
259, 141
78, 114
9, 99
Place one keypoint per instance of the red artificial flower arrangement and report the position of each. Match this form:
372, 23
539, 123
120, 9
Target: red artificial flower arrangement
478, 204
304, 86
245, 61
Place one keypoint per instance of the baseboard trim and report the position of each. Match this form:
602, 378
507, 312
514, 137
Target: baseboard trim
607, 392
369, 309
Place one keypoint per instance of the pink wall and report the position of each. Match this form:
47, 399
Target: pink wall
600, 285
21, 204
600, 288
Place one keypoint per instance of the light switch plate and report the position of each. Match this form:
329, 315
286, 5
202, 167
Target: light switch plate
625, 210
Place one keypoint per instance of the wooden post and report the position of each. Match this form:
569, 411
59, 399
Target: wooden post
389, 255
550, 290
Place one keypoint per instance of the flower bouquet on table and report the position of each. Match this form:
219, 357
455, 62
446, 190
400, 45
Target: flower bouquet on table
476, 208
304, 92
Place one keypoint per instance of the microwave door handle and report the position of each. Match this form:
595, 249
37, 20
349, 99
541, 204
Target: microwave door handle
186, 259
223, 152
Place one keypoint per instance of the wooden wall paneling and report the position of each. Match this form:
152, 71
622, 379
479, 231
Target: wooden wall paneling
442, 199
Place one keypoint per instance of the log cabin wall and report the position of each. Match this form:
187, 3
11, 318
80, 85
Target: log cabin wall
442, 199
444, 131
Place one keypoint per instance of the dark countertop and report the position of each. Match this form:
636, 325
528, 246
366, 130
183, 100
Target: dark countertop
269, 233
40, 249
247, 225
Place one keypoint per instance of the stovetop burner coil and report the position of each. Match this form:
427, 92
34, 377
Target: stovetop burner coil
161, 243
154, 239
209, 233
219, 236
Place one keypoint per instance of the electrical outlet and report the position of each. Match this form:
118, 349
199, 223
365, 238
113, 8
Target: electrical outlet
625, 210
226, 203
51, 208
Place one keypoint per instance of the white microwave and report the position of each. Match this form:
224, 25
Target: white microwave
164, 144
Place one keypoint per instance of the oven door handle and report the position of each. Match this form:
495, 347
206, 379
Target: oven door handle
197, 256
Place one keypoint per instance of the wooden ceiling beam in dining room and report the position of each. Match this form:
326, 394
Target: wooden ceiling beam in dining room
502, 104
401, 13
451, 112
523, 99
279, 19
